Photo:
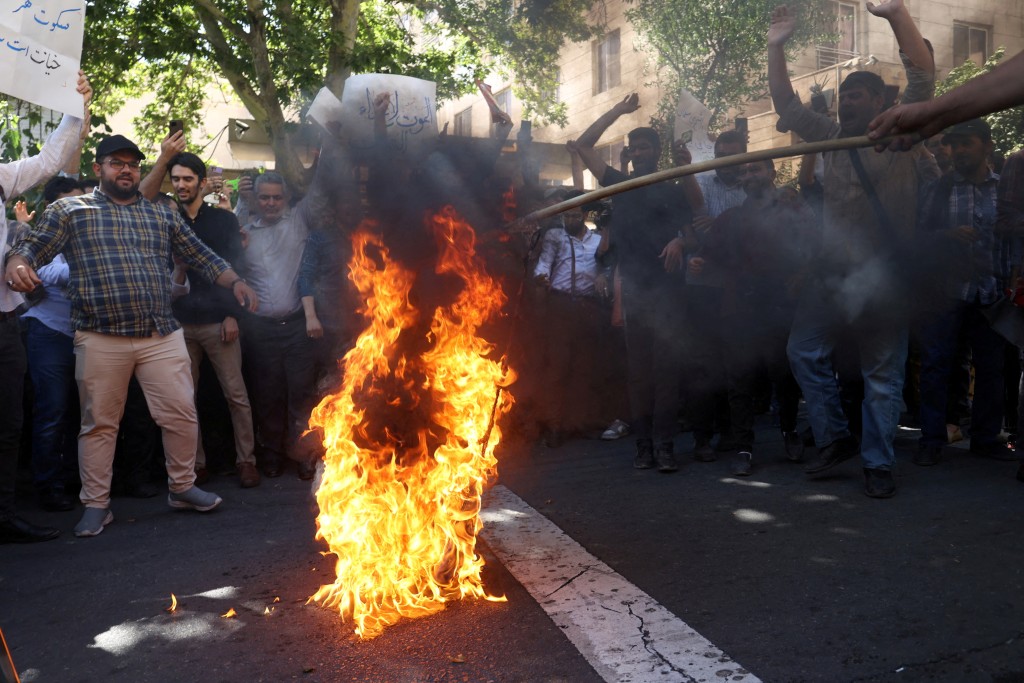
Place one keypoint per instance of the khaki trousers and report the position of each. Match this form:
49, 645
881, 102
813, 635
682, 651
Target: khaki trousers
226, 358
104, 364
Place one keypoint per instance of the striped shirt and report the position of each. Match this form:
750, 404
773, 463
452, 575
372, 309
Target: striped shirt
119, 261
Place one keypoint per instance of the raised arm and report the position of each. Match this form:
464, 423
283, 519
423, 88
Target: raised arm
585, 143
783, 24
172, 145
907, 36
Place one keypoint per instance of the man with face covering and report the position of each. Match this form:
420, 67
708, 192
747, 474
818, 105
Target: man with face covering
869, 210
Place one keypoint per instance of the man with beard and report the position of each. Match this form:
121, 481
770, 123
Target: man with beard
960, 216
119, 246
208, 314
869, 215
574, 317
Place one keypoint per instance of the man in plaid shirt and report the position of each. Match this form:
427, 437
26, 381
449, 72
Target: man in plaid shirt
119, 247
959, 212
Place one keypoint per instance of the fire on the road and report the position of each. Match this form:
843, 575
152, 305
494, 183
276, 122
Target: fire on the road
409, 437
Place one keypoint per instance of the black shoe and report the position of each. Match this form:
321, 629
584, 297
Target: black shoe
725, 445
666, 460
272, 469
794, 446
17, 530
997, 450
878, 483
833, 454
142, 490
703, 452
743, 465
56, 501
307, 470
644, 459
927, 456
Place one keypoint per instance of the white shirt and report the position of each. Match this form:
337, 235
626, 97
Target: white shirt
272, 262
20, 176
558, 251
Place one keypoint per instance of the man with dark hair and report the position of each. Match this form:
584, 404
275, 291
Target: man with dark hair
15, 178
118, 246
960, 213
568, 269
647, 234
870, 211
61, 186
280, 355
208, 314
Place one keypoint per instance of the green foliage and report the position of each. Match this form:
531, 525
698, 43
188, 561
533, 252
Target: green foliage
717, 49
1007, 125
276, 54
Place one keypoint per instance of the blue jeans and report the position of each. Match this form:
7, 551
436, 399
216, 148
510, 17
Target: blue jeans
883, 355
938, 350
55, 423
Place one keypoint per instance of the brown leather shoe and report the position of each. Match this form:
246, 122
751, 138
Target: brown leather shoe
248, 475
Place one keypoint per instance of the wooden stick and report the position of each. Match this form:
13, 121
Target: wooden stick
679, 171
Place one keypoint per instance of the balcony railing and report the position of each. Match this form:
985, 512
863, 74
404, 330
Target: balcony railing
830, 56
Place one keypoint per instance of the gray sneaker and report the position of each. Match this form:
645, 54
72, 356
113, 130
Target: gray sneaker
194, 499
93, 521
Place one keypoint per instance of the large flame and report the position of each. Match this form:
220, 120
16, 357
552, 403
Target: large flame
410, 437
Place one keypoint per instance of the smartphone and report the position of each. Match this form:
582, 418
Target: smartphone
175, 126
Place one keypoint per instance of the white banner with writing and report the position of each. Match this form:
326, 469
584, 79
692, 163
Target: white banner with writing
692, 119
41, 52
411, 118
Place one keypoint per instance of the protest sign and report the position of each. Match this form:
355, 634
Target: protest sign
411, 118
326, 111
41, 52
693, 116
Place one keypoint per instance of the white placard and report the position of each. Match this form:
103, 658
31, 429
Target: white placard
693, 116
326, 110
41, 52
411, 117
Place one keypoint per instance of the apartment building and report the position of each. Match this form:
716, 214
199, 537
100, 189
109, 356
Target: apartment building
593, 76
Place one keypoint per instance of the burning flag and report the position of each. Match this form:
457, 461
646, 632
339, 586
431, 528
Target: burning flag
410, 436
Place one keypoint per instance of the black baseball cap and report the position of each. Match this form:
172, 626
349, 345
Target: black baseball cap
976, 127
117, 143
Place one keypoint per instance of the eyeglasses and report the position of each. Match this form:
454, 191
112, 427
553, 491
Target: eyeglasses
118, 164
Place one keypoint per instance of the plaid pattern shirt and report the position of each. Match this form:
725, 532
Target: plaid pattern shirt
119, 259
993, 255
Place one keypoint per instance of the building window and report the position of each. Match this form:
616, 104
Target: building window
611, 154
554, 94
845, 27
464, 122
970, 43
503, 99
606, 62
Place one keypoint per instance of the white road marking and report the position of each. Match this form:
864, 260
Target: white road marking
623, 632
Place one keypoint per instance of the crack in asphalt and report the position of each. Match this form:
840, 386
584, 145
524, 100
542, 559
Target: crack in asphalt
649, 645
570, 580
943, 660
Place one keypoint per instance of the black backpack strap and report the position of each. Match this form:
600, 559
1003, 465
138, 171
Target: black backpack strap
869, 188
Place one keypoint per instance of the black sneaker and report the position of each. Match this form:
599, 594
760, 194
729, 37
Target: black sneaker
831, 455
644, 459
878, 483
743, 465
794, 446
927, 456
997, 450
666, 460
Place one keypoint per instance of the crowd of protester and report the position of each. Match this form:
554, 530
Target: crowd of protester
873, 288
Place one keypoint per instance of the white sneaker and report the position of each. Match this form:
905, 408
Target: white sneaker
194, 499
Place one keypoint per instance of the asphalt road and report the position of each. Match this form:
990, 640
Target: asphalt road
796, 580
